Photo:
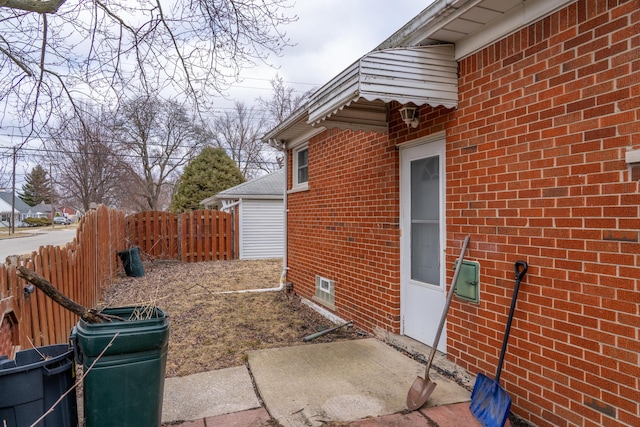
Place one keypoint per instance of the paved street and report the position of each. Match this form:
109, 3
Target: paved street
27, 241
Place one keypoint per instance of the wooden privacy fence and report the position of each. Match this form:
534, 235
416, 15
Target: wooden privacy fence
84, 268
81, 269
204, 235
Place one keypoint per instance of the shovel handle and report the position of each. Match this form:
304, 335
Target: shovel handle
521, 268
520, 272
452, 289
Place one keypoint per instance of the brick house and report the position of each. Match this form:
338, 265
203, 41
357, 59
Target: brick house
527, 139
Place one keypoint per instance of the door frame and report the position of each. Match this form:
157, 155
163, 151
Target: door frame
433, 145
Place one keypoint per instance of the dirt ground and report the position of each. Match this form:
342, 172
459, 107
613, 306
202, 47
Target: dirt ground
210, 330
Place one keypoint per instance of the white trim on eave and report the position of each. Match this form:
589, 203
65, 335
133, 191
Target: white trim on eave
527, 13
471, 24
292, 131
253, 197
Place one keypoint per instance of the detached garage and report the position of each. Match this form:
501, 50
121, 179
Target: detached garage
258, 206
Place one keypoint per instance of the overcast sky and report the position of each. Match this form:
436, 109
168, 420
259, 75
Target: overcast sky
329, 36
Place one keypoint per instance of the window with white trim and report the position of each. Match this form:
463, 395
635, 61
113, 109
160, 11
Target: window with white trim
301, 167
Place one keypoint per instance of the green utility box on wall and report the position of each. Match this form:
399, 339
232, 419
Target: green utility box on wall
468, 284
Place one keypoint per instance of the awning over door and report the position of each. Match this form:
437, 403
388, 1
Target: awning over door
357, 98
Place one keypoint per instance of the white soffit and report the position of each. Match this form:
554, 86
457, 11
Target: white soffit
471, 24
293, 130
357, 98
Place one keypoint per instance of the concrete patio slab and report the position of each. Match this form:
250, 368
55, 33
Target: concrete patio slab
208, 394
341, 381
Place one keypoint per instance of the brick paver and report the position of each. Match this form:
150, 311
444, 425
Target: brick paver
255, 417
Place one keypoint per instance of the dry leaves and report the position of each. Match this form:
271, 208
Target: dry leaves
210, 330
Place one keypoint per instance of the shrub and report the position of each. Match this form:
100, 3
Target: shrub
37, 222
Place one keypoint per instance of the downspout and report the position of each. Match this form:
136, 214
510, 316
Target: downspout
285, 216
227, 207
283, 275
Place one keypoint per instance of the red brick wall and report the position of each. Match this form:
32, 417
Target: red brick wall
535, 171
345, 227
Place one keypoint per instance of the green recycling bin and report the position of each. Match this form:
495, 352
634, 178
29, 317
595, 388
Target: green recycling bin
126, 384
131, 262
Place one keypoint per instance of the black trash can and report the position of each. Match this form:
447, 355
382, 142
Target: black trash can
30, 384
125, 387
131, 261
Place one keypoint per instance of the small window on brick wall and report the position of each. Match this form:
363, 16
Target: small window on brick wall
301, 167
325, 292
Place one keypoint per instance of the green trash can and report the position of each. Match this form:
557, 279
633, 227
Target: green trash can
131, 262
125, 386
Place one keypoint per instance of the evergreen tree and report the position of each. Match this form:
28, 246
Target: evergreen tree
37, 188
207, 174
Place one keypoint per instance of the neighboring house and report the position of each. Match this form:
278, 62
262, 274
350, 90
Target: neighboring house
20, 208
42, 210
258, 205
68, 212
527, 139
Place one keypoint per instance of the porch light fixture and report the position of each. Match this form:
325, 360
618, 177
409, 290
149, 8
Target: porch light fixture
410, 116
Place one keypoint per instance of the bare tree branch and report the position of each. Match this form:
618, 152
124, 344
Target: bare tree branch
159, 138
38, 6
176, 47
89, 315
238, 133
17, 61
43, 52
284, 101
99, 50
86, 159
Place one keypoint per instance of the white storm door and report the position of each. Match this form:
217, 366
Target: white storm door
422, 276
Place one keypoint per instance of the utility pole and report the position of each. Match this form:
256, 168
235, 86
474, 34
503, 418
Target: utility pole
51, 196
12, 229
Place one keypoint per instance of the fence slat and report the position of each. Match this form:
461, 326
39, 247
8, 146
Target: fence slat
36, 332
203, 235
200, 227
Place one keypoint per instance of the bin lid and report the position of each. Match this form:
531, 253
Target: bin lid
33, 358
134, 334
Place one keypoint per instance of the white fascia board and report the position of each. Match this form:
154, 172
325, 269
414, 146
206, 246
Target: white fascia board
263, 197
305, 137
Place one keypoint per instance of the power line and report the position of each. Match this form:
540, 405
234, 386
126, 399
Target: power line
38, 153
284, 81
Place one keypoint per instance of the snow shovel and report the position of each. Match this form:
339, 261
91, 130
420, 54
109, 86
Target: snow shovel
421, 388
490, 404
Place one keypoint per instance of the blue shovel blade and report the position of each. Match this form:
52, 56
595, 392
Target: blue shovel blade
490, 404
